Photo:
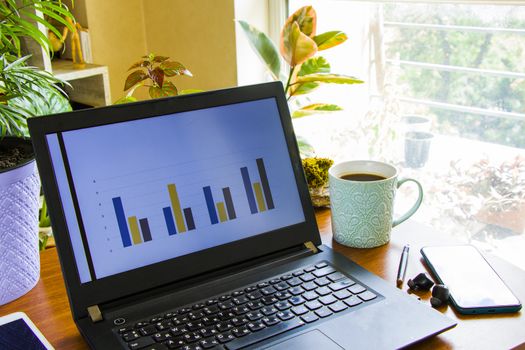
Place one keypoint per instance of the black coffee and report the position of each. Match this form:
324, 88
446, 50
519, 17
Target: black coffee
362, 177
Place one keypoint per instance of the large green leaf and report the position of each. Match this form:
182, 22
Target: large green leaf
296, 47
315, 108
328, 78
305, 88
314, 65
264, 48
306, 18
330, 39
134, 78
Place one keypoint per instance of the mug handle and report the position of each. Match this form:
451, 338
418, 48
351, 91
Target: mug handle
416, 205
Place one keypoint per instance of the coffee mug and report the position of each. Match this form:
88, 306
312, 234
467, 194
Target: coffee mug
362, 196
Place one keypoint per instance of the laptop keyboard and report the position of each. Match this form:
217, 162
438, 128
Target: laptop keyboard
252, 314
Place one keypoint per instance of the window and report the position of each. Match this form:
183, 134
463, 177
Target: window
444, 100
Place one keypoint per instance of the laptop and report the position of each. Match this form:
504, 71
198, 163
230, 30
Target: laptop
186, 222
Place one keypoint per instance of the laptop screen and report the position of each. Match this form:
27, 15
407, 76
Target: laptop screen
140, 192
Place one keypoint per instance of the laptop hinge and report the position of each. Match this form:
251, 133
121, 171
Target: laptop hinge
310, 246
94, 313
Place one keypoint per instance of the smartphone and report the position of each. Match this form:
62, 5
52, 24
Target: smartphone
17, 332
475, 288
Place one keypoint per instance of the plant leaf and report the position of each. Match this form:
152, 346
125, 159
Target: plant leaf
172, 68
157, 76
141, 63
296, 47
158, 59
305, 88
315, 108
328, 78
134, 78
156, 92
306, 18
190, 91
305, 147
169, 89
314, 65
264, 48
125, 99
329, 39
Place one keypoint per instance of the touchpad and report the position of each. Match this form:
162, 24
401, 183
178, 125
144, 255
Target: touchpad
313, 340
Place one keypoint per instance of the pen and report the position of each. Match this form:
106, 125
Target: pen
403, 262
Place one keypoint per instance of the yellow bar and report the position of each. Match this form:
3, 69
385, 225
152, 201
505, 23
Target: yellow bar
222, 212
259, 196
134, 228
177, 211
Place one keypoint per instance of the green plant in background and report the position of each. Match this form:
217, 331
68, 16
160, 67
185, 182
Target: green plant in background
152, 72
299, 45
27, 91
316, 171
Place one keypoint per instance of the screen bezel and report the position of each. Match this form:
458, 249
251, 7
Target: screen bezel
32, 327
123, 284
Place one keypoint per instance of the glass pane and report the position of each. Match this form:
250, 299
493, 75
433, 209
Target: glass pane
444, 100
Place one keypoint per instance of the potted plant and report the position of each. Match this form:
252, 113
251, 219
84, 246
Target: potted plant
24, 92
303, 72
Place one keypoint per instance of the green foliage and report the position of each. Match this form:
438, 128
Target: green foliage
264, 47
316, 171
152, 72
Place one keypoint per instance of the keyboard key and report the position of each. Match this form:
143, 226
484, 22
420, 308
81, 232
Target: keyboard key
196, 315
224, 326
342, 294
270, 300
324, 271
140, 343
141, 324
311, 295
263, 285
212, 301
353, 301
341, 284
281, 286
209, 343
198, 306
283, 295
254, 305
294, 282
271, 320
191, 337
226, 305
148, 330
184, 310
256, 326
171, 344
307, 277
255, 315
356, 289
300, 310
366, 296
309, 286
239, 321
335, 276
297, 300
338, 306
237, 293
324, 312
224, 297
191, 347
286, 277
327, 300
250, 289
240, 332
193, 326
283, 305
125, 329
255, 295
241, 310
314, 305
285, 315
298, 273
162, 336
321, 265
178, 330
268, 290
210, 310
264, 334
208, 332
208, 321
296, 290
323, 281
309, 269
155, 347
127, 337
275, 281
225, 337
310, 317
240, 300
269, 310
322, 291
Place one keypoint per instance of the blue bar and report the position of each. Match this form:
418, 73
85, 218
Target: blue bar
211, 205
122, 223
249, 190
170, 223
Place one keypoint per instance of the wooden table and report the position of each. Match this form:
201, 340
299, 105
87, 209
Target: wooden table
48, 307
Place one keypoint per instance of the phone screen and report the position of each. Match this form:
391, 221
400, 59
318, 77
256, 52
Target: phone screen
17, 335
472, 282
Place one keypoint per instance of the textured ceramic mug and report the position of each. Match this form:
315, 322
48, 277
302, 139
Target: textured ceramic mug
362, 211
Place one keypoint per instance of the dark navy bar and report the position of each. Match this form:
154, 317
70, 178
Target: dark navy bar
121, 220
264, 183
249, 190
189, 218
211, 205
229, 203
144, 227
170, 223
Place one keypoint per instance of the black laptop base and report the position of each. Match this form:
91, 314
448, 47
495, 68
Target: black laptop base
362, 303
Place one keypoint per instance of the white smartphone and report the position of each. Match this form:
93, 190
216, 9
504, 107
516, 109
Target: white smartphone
18, 332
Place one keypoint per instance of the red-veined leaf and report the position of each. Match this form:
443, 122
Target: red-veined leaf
134, 78
156, 92
157, 75
172, 68
169, 89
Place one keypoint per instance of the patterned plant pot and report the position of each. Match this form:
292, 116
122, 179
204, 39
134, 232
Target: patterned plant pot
19, 204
